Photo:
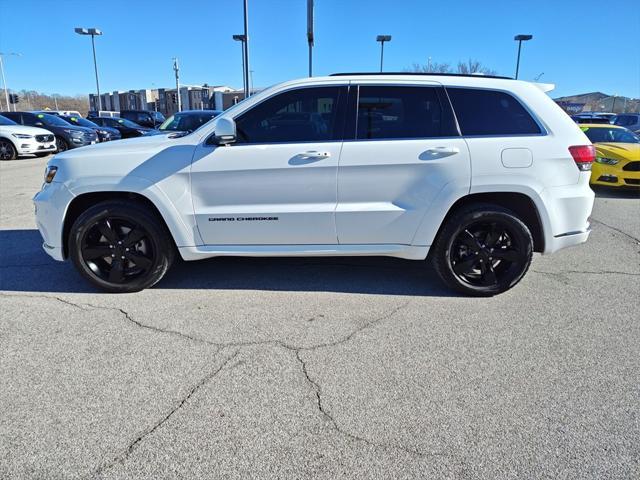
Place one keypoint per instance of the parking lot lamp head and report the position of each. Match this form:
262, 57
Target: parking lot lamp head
520, 38
93, 32
382, 39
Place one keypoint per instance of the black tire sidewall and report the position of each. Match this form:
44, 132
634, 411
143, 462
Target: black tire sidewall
61, 141
157, 235
457, 224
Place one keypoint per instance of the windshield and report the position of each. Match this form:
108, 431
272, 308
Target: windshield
51, 120
186, 122
83, 122
610, 135
6, 121
127, 123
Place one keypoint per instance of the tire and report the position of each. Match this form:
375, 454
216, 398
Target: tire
62, 144
482, 250
7, 150
120, 247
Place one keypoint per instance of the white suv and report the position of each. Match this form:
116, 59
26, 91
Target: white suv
17, 140
476, 172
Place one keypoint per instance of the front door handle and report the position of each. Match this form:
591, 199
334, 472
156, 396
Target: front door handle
449, 150
313, 154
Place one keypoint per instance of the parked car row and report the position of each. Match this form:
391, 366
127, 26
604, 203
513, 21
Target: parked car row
630, 121
44, 132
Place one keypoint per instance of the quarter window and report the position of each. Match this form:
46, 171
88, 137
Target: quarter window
402, 112
490, 112
303, 115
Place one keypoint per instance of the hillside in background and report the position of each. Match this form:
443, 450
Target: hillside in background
601, 102
32, 100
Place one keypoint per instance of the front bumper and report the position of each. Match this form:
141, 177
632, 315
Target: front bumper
614, 175
27, 146
50, 207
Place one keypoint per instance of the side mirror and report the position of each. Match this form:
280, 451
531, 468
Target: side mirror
39, 124
224, 133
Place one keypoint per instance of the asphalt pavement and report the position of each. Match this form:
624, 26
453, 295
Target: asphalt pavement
319, 368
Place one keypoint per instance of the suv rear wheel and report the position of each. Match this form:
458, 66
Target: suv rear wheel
120, 247
482, 250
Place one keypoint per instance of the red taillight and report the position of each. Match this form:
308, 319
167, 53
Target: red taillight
583, 155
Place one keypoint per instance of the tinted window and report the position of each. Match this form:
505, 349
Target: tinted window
488, 112
46, 119
613, 135
625, 120
303, 115
6, 121
402, 112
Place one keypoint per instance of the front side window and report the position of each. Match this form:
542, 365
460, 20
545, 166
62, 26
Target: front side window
490, 112
396, 112
624, 120
302, 115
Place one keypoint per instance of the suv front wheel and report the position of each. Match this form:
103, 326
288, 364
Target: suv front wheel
120, 246
482, 250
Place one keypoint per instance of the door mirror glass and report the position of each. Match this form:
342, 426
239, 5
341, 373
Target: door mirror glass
224, 133
39, 124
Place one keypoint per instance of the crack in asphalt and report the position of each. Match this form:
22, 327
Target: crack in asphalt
131, 447
587, 272
635, 239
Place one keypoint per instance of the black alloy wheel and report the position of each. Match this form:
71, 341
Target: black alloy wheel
120, 246
62, 144
483, 251
7, 150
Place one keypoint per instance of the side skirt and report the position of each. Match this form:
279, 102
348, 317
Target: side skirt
409, 252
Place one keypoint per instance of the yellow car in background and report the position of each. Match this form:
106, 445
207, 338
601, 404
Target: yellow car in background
617, 155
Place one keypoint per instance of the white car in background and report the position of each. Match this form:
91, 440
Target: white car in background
17, 140
474, 173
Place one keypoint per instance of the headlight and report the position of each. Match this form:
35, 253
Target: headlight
75, 133
49, 173
607, 161
21, 135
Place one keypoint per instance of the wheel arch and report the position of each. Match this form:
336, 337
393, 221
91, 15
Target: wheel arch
521, 204
81, 202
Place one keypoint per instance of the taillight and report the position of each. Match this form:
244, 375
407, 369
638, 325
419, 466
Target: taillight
583, 155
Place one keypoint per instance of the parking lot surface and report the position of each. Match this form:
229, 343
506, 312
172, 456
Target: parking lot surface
319, 368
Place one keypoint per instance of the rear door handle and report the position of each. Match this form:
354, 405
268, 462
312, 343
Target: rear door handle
313, 154
448, 150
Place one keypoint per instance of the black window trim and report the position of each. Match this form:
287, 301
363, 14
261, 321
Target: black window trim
343, 95
543, 130
351, 122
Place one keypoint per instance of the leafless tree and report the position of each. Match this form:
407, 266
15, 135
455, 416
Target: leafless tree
474, 66
468, 67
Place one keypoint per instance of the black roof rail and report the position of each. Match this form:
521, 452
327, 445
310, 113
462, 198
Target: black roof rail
473, 75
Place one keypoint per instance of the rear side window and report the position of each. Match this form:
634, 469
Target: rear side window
396, 112
624, 120
490, 112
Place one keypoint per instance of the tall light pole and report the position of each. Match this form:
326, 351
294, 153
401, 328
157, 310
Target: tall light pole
520, 39
93, 32
382, 39
4, 81
176, 70
246, 49
310, 34
242, 39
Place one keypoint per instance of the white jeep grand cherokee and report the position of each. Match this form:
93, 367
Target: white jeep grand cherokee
476, 172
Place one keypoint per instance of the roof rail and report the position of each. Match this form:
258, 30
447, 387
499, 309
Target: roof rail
473, 75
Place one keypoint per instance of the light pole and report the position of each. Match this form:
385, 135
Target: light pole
310, 34
246, 49
93, 32
242, 39
520, 39
4, 81
176, 70
382, 39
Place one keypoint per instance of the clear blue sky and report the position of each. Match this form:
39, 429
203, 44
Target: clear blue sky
581, 46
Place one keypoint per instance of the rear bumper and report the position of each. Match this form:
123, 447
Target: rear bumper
566, 214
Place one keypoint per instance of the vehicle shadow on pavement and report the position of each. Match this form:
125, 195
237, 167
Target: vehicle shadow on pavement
25, 267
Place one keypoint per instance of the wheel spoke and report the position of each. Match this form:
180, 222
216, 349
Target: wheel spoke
107, 230
116, 274
509, 254
465, 266
134, 236
488, 274
467, 238
140, 260
493, 235
98, 251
